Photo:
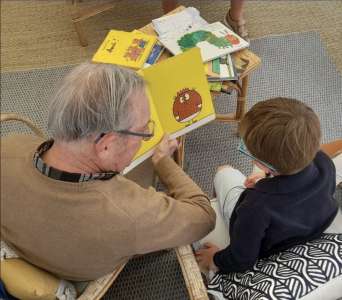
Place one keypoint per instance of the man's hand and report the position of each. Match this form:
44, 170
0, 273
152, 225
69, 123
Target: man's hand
205, 256
252, 179
166, 147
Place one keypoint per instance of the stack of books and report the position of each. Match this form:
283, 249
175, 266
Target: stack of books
187, 29
179, 87
178, 33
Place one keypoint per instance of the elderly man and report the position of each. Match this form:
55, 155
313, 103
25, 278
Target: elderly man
65, 206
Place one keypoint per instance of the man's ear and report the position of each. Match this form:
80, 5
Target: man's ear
106, 143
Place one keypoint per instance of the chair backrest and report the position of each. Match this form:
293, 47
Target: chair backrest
15, 117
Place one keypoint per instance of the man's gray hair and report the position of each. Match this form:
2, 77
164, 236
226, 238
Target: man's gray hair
93, 98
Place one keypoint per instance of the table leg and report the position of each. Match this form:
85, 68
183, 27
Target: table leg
169, 5
232, 117
80, 34
241, 105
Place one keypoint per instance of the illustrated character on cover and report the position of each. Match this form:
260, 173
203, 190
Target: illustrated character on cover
112, 44
136, 49
190, 40
187, 105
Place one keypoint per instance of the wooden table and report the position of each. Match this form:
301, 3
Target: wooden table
244, 57
83, 13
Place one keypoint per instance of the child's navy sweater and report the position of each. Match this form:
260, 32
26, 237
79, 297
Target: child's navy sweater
278, 213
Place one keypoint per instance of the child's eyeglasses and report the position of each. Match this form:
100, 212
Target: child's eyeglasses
243, 149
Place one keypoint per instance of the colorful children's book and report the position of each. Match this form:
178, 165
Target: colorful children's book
221, 69
180, 100
214, 40
156, 52
240, 64
215, 86
130, 49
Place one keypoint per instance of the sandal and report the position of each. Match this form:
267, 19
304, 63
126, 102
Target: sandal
237, 26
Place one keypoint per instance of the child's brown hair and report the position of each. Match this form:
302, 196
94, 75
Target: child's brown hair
282, 132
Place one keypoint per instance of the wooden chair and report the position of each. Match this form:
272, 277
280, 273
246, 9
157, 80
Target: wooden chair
333, 148
85, 13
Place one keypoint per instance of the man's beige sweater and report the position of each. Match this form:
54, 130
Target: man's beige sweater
81, 231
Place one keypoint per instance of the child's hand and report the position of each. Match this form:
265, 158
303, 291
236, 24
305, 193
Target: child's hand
205, 256
223, 167
252, 179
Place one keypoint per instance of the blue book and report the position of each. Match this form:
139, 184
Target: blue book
156, 51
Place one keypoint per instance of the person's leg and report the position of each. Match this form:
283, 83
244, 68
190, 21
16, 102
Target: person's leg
228, 184
236, 9
169, 5
234, 18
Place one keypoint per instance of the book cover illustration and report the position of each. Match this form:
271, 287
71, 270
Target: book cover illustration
221, 69
130, 49
180, 99
187, 105
215, 86
214, 40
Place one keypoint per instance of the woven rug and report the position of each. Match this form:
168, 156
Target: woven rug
295, 65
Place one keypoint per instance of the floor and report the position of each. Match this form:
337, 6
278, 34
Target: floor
39, 34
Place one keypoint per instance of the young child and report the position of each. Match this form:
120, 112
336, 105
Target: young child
289, 203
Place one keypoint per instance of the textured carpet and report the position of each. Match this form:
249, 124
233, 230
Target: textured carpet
40, 34
296, 66
155, 276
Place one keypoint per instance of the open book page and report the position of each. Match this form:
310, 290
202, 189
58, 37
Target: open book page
181, 22
214, 40
181, 93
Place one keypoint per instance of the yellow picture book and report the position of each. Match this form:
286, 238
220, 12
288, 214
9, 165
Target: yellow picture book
129, 49
179, 96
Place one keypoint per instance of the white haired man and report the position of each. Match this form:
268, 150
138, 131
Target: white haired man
65, 206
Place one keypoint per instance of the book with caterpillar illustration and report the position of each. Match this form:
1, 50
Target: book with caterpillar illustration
179, 96
129, 49
214, 40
